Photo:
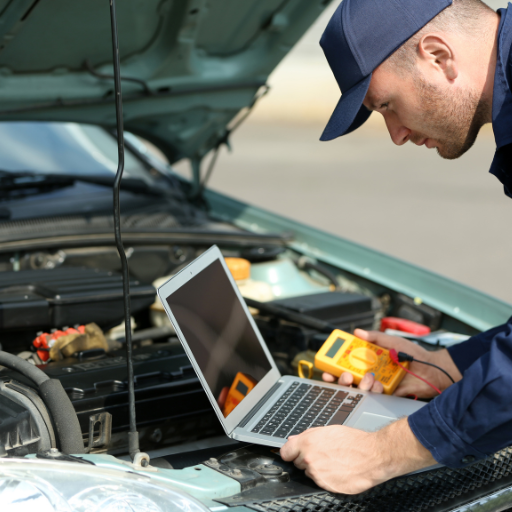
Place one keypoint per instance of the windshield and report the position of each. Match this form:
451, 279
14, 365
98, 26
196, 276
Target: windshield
64, 148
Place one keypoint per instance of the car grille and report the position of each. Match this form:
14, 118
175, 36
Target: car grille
440, 490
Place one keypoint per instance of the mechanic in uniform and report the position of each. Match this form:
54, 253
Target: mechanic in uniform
437, 70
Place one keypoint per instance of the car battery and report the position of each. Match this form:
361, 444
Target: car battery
414, 310
170, 403
346, 311
43, 299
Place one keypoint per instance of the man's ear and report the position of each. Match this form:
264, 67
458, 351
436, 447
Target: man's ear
437, 54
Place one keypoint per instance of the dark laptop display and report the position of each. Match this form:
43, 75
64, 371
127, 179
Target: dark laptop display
219, 335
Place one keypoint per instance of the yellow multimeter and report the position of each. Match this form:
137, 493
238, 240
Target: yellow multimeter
241, 387
343, 352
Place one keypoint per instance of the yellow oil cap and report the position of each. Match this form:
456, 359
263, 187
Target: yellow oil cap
239, 268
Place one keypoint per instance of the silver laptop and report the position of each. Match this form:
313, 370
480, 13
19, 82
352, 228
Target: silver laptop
253, 401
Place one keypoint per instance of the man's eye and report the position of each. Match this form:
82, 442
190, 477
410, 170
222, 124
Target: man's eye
384, 105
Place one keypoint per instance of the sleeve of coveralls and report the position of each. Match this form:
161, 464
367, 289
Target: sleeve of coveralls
472, 418
466, 353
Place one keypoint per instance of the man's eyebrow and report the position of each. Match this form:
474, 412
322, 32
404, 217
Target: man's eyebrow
373, 103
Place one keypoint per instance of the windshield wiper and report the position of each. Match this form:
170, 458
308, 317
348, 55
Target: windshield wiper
26, 183
22, 184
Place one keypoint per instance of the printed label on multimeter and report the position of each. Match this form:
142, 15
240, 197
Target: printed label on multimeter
343, 352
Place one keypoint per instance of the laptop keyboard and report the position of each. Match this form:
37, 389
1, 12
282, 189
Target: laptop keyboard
305, 406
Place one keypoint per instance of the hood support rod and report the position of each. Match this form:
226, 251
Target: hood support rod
133, 436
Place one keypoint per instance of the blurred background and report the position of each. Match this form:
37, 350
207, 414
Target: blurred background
451, 217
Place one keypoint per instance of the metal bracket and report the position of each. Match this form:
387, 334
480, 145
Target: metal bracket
104, 419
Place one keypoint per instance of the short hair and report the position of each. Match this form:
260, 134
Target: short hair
463, 17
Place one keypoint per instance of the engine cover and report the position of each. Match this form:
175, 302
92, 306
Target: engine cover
170, 402
43, 299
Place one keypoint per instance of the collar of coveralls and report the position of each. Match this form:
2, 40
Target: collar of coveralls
501, 165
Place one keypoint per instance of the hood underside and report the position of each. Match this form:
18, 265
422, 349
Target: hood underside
188, 67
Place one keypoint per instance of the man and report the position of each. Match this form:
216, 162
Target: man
437, 71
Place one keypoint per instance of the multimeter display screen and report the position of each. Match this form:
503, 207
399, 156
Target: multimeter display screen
218, 331
335, 347
242, 388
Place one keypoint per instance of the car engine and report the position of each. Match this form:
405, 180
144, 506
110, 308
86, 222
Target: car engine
43, 303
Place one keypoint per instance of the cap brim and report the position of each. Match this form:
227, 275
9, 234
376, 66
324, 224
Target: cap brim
350, 113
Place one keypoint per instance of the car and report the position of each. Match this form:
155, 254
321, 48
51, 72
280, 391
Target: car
191, 70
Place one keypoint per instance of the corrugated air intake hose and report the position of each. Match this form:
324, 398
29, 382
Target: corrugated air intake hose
60, 408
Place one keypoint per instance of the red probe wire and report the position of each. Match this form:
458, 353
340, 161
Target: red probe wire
394, 357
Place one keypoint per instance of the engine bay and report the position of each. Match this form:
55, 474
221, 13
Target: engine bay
56, 296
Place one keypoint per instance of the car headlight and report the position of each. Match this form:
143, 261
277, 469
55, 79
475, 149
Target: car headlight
51, 486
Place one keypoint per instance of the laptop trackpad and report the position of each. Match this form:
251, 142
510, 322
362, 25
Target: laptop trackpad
372, 422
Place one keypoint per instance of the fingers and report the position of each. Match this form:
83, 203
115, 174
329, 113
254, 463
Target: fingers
346, 379
377, 387
327, 377
365, 335
299, 463
402, 390
367, 382
381, 339
414, 387
290, 451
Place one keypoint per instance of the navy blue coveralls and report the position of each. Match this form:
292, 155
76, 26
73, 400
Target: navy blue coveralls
473, 418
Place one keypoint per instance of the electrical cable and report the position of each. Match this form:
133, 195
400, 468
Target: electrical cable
90, 69
133, 435
402, 356
394, 357
435, 366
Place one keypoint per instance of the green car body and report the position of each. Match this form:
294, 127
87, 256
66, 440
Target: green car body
190, 68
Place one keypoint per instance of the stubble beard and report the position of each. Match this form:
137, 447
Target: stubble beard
456, 119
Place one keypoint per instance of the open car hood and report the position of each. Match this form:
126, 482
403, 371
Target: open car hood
197, 63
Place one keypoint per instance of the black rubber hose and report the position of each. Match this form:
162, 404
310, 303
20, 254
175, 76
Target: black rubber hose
64, 417
56, 400
306, 264
27, 369
291, 316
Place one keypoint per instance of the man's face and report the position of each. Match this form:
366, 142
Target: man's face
430, 114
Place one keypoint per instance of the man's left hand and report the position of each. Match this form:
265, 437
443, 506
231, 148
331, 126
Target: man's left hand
345, 460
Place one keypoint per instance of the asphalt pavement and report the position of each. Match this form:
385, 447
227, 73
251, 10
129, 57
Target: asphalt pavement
451, 217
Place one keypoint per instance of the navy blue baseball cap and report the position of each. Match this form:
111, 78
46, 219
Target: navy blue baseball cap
359, 37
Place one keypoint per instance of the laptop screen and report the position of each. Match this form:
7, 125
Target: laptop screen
220, 336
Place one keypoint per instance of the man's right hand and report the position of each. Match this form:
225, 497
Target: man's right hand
410, 385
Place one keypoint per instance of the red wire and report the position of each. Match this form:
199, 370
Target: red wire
394, 356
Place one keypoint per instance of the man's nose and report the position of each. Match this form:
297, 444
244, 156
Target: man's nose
399, 133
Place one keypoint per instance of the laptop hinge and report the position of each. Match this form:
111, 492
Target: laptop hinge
260, 404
